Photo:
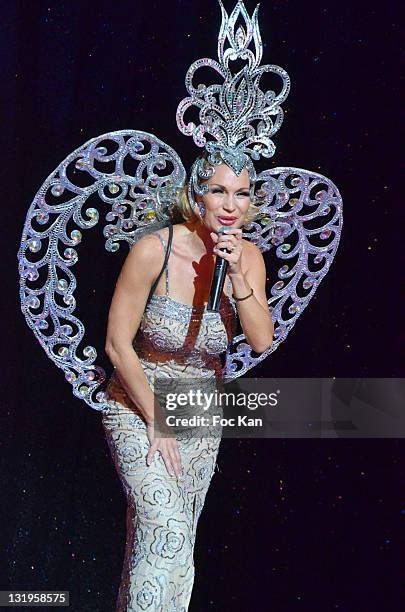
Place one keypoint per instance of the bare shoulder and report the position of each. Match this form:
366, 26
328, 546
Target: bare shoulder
252, 252
146, 254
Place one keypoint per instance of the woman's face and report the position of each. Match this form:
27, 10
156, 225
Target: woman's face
227, 200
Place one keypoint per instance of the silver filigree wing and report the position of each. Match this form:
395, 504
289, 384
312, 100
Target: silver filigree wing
128, 176
300, 221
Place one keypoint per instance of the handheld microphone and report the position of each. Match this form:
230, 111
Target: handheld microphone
218, 279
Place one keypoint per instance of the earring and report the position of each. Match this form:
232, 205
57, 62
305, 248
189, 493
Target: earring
201, 208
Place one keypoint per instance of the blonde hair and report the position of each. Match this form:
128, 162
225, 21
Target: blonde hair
183, 208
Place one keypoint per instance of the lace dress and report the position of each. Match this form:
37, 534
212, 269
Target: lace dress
174, 340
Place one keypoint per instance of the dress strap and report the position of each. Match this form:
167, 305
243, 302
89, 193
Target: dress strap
165, 263
162, 240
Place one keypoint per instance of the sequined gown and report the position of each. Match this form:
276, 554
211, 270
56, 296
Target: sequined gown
173, 340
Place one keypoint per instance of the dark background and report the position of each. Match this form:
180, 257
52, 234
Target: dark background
288, 524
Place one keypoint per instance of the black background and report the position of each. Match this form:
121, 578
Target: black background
288, 524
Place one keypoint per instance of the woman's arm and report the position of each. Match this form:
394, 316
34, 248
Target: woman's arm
128, 304
254, 315
247, 271
140, 270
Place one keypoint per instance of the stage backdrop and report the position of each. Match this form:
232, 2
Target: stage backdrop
288, 524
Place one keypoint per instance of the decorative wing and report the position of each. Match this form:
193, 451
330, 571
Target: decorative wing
301, 220
134, 176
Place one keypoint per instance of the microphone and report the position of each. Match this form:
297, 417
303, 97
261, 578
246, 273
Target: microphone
218, 279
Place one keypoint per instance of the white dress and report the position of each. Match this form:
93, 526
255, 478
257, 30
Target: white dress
177, 341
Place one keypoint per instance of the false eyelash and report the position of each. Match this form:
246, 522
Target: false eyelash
245, 194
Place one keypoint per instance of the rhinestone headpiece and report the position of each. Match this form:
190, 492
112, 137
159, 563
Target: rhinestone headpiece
239, 117
236, 113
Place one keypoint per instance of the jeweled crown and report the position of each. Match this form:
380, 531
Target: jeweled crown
237, 114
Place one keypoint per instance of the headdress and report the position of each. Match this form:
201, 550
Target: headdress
136, 177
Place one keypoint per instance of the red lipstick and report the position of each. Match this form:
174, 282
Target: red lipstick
227, 220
